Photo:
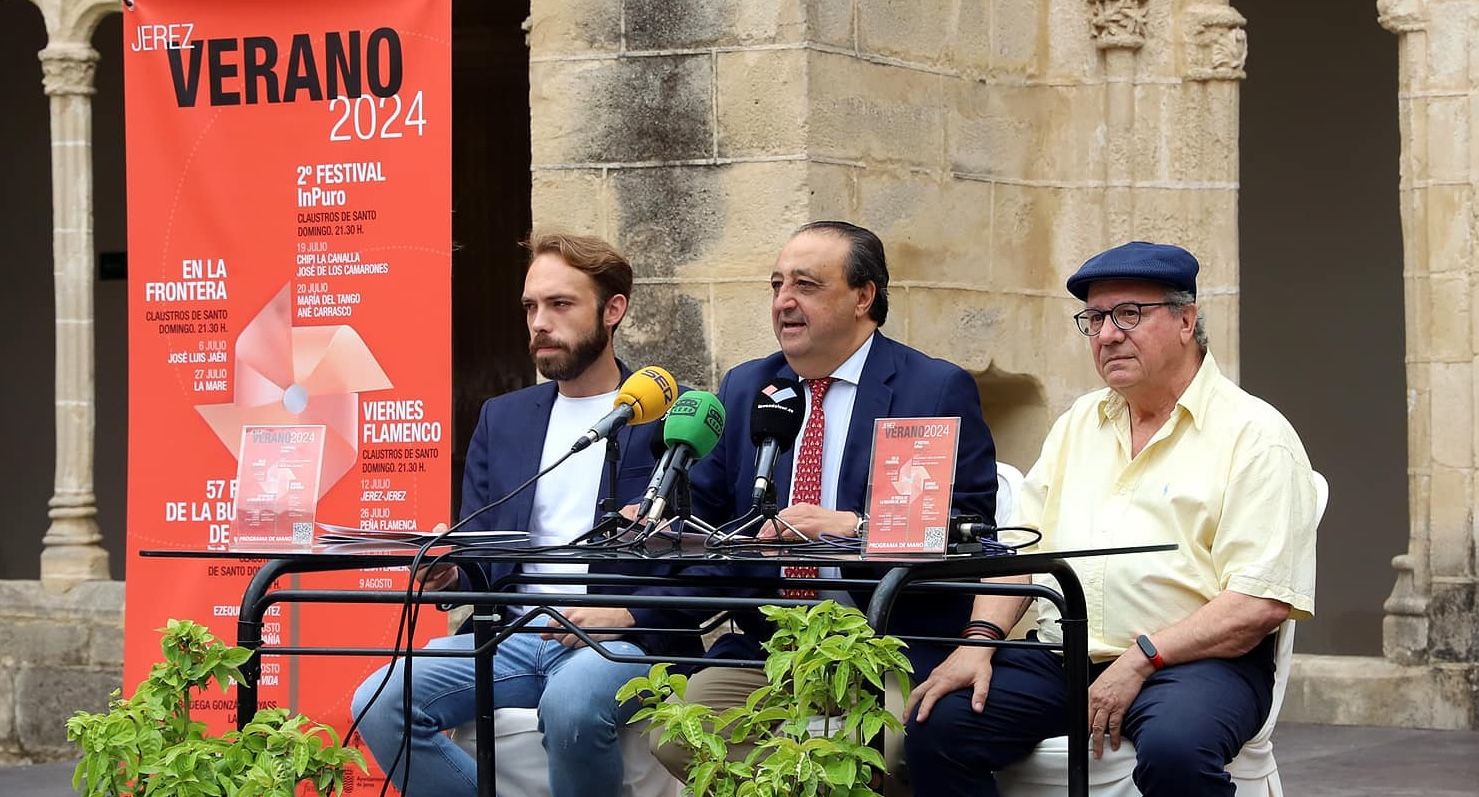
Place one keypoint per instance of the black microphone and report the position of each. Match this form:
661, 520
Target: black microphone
663, 454
775, 420
971, 528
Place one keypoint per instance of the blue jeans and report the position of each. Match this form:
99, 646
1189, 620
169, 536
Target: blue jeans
573, 689
1188, 721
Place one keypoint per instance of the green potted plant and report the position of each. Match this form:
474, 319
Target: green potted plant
813, 721
148, 746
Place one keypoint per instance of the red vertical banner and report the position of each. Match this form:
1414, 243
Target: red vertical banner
289, 208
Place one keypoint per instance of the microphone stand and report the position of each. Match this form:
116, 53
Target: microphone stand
609, 502
607, 530
683, 516
611, 519
765, 511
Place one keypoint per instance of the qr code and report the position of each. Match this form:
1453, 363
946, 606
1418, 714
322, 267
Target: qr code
934, 537
302, 532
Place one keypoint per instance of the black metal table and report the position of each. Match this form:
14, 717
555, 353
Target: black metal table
895, 574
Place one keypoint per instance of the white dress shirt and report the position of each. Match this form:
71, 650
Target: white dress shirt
837, 406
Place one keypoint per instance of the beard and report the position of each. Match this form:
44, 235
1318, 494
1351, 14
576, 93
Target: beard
573, 358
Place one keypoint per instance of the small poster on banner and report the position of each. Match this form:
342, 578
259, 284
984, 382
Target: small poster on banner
277, 477
910, 481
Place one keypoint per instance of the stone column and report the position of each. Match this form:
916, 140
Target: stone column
1431, 612
677, 130
1213, 50
1119, 33
73, 551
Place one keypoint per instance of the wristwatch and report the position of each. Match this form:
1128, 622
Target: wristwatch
1150, 652
861, 529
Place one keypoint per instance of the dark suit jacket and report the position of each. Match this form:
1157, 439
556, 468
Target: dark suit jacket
504, 453
897, 382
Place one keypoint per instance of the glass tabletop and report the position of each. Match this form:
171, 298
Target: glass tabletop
681, 553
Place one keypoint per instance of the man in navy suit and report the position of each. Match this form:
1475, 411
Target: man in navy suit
575, 294
829, 296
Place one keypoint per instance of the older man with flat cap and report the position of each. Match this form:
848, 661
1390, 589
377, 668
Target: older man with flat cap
1181, 642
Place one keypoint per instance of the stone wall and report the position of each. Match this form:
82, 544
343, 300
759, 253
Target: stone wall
59, 653
993, 146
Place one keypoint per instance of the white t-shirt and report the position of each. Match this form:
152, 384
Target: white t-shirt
565, 499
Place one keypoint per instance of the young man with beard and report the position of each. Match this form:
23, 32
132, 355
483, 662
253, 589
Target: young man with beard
575, 295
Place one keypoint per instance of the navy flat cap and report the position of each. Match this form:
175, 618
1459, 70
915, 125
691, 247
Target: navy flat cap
1138, 260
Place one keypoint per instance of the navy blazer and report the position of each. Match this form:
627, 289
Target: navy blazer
505, 452
897, 382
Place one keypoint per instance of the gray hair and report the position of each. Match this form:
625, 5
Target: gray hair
1178, 301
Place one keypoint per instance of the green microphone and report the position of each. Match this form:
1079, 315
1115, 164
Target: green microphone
692, 429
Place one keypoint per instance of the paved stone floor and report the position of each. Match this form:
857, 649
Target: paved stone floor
1314, 761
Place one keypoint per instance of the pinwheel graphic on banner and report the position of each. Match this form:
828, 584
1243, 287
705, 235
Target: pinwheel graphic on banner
912, 480
299, 375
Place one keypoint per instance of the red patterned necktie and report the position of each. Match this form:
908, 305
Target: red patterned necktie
806, 488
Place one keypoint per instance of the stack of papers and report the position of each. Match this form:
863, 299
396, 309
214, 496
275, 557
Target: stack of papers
331, 534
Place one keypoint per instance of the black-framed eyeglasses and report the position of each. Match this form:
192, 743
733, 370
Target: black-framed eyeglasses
1125, 315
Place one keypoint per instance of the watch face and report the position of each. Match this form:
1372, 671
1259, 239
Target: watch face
1145, 646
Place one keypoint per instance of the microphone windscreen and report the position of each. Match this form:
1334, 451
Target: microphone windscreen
777, 413
649, 391
696, 420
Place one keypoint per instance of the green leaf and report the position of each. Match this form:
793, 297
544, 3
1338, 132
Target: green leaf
770, 715
835, 648
870, 756
842, 680
731, 715
776, 666
759, 694
701, 778
842, 772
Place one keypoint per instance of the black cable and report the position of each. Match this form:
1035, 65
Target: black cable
406, 684
1036, 537
410, 611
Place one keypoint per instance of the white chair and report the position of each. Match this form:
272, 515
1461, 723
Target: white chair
1009, 482
522, 768
1254, 771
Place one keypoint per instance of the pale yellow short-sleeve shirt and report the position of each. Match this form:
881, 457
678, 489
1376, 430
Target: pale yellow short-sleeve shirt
1226, 479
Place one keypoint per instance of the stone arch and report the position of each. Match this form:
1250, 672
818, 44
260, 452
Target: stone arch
74, 21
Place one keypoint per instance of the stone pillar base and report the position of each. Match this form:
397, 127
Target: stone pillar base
1367, 690
65, 566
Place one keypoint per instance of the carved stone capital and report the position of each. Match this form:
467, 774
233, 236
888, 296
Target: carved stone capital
1217, 45
1118, 24
68, 69
1402, 16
